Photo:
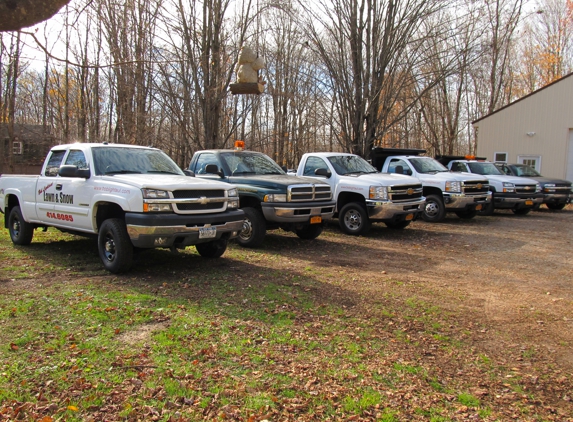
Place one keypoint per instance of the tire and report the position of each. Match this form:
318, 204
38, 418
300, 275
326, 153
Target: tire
309, 232
434, 210
114, 247
398, 225
466, 215
487, 209
213, 249
353, 219
254, 228
555, 206
522, 211
21, 232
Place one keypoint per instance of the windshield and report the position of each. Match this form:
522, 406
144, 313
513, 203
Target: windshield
484, 168
427, 165
119, 160
244, 163
526, 171
351, 164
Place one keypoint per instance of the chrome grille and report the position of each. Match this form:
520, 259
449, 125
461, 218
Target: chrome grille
475, 187
301, 193
525, 188
199, 200
405, 193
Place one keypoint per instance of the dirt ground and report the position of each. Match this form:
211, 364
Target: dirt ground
512, 275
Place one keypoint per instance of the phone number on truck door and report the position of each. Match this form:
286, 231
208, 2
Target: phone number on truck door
57, 216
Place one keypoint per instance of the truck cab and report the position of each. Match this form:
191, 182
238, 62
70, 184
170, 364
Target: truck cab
270, 197
518, 194
462, 194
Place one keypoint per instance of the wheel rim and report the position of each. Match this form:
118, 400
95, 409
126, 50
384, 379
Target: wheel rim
109, 248
247, 231
353, 220
432, 209
16, 227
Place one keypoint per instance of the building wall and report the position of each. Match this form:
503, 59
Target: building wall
546, 115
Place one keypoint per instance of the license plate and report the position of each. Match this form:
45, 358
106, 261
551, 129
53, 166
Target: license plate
528, 202
409, 217
207, 232
479, 207
316, 219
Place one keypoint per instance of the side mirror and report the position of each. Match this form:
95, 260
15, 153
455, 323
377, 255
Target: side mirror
189, 173
323, 172
213, 169
69, 170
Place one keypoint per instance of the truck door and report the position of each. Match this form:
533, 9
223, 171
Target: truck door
314, 163
72, 206
46, 187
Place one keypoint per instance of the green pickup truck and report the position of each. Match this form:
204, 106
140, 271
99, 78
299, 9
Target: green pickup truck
270, 198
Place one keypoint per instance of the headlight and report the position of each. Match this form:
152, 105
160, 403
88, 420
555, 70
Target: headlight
155, 194
549, 187
538, 188
233, 202
275, 197
156, 207
508, 187
379, 192
232, 192
453, 186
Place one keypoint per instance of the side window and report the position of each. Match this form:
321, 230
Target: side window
312, 164
203, 161
77, 158
399, 166
500, 157
54, 163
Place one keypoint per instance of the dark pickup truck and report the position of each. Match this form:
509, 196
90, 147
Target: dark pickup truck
556, 192
270, 197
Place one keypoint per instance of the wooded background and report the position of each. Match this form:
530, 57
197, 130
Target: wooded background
340, 75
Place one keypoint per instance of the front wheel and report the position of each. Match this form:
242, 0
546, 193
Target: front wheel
213, 249
309, 232
556, 206
467, 214
21, 232
353, 219
398, 225
521, 211
114, 247
254, 228
487, 209
434, 210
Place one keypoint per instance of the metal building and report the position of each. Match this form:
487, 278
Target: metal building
536, 130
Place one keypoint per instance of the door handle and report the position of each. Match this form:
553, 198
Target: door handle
58, 187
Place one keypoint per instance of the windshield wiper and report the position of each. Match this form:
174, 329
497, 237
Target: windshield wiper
163, 172
242, 173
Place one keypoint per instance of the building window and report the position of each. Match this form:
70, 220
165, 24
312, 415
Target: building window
17, 148
500, 157
530, 160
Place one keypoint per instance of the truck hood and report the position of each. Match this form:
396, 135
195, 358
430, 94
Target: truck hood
449, 175
381, 179
548, 180
273, 181
165, 181
501, 178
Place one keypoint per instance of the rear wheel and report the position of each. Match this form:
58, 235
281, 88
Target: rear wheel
309, 232
434, 210
466, 214
115, 248
398, 225
555, 206
213, 249
521, 211
254, 228
353, 219
21, 232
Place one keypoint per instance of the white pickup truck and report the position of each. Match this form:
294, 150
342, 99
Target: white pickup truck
127, 196
363, 195
464, 194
